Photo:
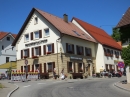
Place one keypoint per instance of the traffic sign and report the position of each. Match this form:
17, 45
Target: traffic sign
26, 62
121, 64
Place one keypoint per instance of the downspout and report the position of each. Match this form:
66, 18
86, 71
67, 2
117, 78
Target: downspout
57, 52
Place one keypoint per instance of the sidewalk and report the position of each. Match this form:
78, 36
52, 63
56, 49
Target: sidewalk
123, 86
8, 88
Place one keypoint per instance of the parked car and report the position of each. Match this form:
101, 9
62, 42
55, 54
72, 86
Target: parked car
2, 76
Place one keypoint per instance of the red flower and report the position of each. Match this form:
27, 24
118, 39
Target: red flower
25, 56
48, 53
34, 57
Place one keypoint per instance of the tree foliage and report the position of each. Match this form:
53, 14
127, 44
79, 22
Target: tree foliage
116, 35
126, 55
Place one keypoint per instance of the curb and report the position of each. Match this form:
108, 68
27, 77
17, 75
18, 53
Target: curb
115, 84
9, 94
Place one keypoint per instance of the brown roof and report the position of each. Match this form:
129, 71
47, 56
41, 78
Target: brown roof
3, 34
100, 35
59, 24
125, 20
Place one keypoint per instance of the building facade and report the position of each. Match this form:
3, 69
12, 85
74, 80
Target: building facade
108, 51
7, 52
48, 42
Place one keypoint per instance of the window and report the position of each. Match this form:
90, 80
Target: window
25, 53
37, 66
76, 33
50, 67
80, 67
2, 47
27, 37
7, 59
70, 67
69, 47
49, 48
47, 32
116, 54
35, 20
79, 50
36, 51
88, 51
36, 34
8, 38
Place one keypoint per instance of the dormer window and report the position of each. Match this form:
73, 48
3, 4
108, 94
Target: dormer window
8, 38
47, 33
76, 33
26, 37
35, 20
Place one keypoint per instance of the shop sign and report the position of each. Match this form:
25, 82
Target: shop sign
76, 58
36, 43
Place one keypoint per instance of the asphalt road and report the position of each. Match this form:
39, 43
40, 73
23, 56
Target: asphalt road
97, 87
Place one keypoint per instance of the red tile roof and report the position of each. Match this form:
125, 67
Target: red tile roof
98, 34
125, 20
3, 34
59, 24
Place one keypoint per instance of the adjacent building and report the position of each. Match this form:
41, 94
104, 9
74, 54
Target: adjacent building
48, 42
7, 52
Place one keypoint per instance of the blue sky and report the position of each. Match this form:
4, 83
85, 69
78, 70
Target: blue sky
101, 13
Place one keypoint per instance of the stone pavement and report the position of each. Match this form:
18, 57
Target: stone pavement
7, 89
123, 86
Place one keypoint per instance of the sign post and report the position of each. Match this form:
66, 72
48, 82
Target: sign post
26, 62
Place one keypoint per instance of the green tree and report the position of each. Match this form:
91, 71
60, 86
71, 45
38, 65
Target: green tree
126, 55
116, 35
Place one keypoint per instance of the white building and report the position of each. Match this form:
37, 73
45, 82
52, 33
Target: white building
108, 51
7, 52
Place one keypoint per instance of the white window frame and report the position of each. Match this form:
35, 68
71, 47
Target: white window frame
47, 47
35, 35
24, 52
45, 32
72, 66
25, 38
35, 20
81, 66
35, 51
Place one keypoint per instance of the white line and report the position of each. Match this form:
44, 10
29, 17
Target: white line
41, 83
57, 81
27, 86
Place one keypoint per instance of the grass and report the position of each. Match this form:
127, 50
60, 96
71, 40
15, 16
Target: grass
1, 86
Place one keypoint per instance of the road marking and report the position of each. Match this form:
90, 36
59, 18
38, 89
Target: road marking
27, 86
41, 83
57, 81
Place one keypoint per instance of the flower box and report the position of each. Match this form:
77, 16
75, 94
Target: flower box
34, 57
25, 56
70, 52
49, 70
48, 53
81, 70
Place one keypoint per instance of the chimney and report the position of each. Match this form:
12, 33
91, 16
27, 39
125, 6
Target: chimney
119, 43
65, 16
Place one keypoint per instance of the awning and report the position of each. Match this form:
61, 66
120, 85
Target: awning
8, 65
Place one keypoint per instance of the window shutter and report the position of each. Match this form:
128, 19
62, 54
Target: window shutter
44, 67
31, 35
28, 53
32, 52
83, 67
40, 33
44, 49
21, 54
53, 65
73, 49
53, 48
66, 47
39, 50
74, 67
32, 68
28, 68
90, 51
82, 50
77, 49
40, 68
68, 66
21, 68
78, 68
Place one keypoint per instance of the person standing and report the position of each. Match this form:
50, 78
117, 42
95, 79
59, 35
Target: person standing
54, 73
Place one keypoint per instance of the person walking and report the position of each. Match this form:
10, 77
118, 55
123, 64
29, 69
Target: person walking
54, 73
62, 74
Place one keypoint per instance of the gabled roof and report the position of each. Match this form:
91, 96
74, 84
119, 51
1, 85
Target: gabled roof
98, 34
62, 26
125, 20
4, 34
